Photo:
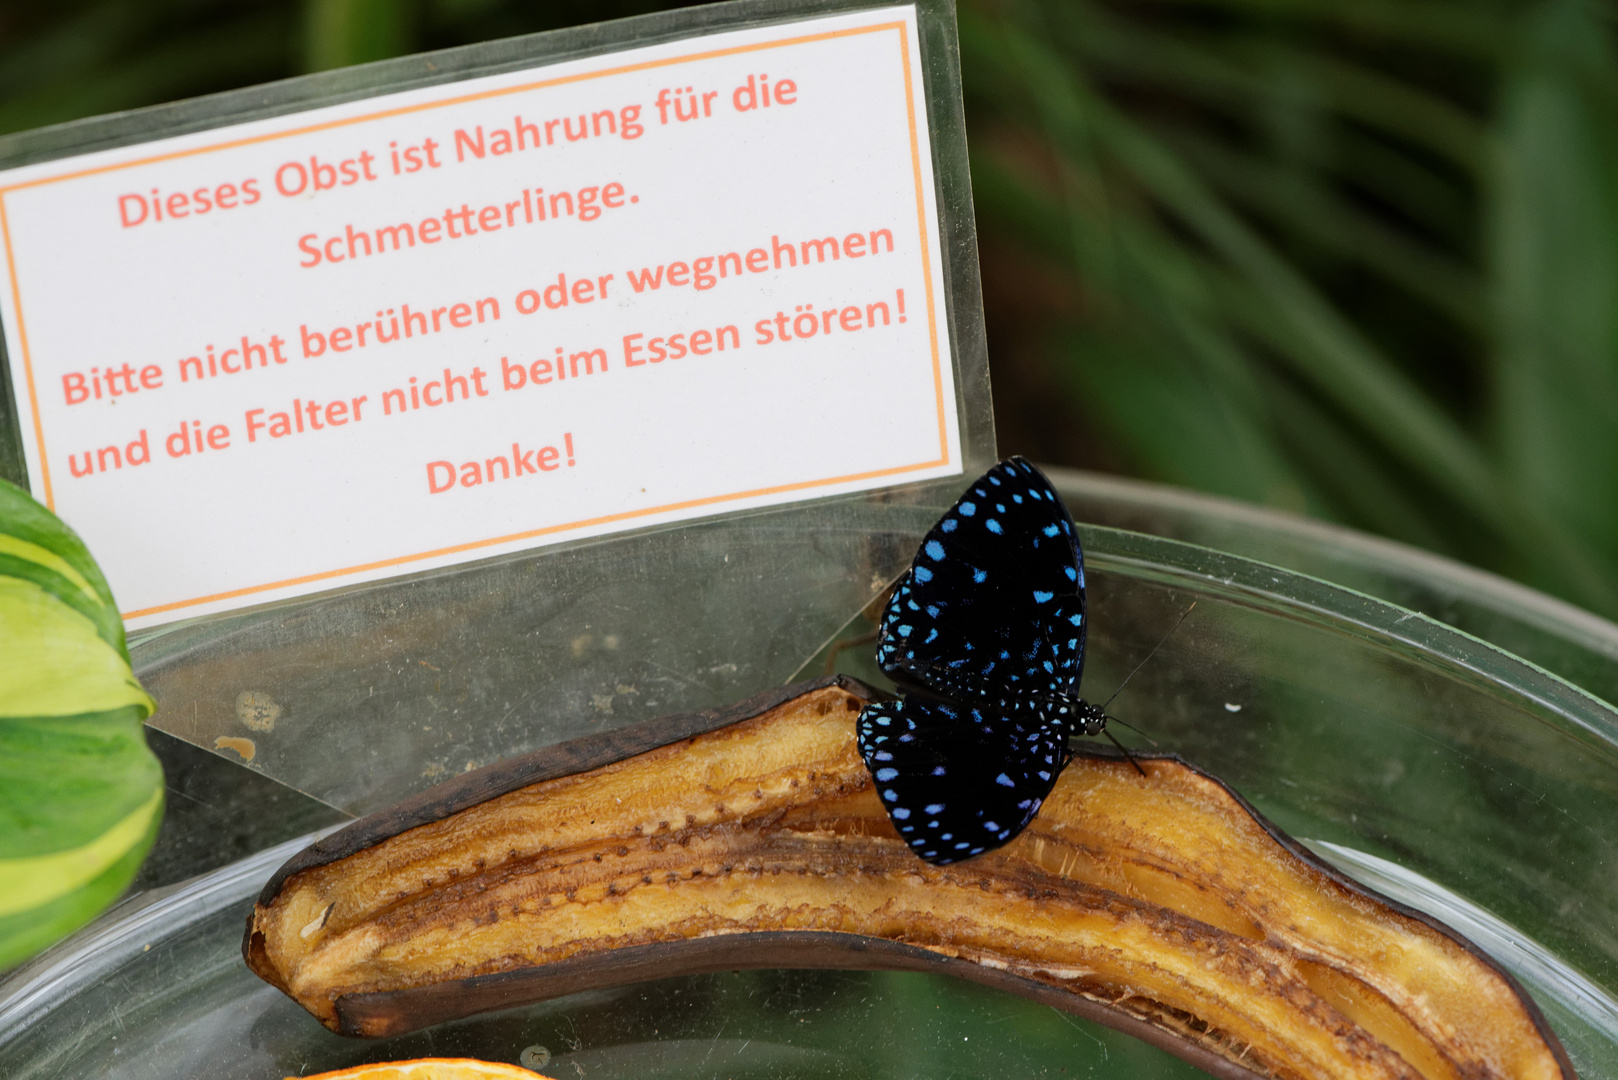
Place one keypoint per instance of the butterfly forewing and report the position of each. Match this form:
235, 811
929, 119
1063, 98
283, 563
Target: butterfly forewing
958, 780
992, 609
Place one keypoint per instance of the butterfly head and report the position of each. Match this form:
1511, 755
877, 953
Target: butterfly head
1090, 719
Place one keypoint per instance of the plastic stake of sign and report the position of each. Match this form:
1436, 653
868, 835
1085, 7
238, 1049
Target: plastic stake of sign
429, 412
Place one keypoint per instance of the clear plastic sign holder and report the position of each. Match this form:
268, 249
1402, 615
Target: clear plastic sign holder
364, 694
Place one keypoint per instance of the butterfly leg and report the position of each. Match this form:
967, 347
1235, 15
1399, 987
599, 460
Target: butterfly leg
1125, 749
847, 643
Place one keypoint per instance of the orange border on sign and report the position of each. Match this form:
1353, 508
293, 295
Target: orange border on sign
926, 254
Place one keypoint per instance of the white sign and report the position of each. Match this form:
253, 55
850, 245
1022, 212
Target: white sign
430, 327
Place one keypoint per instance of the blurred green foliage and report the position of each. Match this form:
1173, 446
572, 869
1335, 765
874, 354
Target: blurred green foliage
1357, 259
1354, 259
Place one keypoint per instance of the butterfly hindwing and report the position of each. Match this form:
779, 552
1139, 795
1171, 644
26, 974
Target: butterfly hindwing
958, 780
992, 609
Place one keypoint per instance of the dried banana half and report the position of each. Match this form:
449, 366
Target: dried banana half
1162, 905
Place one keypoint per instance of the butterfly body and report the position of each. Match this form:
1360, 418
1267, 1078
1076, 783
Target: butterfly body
986, 633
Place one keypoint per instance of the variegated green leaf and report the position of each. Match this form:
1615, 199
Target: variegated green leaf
81, 794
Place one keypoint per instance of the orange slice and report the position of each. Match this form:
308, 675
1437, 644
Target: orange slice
430, 1069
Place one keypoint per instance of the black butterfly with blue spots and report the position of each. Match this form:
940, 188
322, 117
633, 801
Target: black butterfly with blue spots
985, 633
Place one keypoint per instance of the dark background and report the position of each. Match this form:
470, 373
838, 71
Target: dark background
1357, 260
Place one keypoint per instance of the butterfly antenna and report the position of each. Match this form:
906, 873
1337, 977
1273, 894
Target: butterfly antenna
1149, 655
1125, 749
1132, 727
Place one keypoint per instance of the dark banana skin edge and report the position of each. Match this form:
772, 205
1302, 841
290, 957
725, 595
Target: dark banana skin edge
397, 1012
402, 1011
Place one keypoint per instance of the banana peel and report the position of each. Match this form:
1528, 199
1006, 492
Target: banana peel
1162, 905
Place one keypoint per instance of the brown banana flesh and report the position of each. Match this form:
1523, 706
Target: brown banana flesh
1160, 904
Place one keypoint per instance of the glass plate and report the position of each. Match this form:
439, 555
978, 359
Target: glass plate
1429, 764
